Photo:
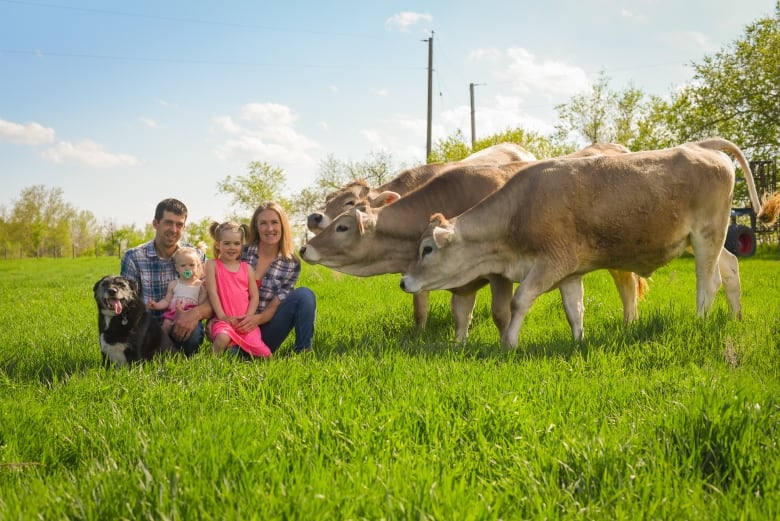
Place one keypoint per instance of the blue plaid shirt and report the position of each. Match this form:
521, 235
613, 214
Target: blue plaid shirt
278, 281
143, 265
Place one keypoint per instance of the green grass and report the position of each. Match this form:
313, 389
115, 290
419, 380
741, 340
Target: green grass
672, 417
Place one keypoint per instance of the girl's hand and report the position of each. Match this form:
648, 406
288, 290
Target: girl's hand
246, 324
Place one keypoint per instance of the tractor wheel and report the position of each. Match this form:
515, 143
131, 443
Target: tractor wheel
741, 240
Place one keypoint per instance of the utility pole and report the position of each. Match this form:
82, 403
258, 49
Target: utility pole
473, 131
430, 96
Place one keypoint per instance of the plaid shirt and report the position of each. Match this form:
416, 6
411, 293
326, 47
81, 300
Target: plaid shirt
278, 281
143, 265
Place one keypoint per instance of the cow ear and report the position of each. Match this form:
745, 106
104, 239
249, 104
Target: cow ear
385, 198
442, 236
365, 221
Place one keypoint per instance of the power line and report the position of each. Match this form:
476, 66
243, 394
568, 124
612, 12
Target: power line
180, 20
43, 54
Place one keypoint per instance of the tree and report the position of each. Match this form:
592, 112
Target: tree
263, 183
539, 145
451, 148
84, 232
589, 115
39, 221
197, 232
455, 148
735, 93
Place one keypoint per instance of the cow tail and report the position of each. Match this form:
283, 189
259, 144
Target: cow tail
642, 287
770, 209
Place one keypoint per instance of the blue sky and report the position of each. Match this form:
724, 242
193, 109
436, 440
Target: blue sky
121, 104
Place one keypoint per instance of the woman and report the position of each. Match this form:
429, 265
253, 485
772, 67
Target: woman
282, 306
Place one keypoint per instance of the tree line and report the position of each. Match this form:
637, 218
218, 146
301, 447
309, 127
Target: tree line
733, 94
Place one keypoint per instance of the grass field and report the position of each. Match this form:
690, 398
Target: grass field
672, 417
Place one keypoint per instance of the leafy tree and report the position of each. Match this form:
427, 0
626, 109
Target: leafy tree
451, 148
455, 148
534, 142
262, 183
735, 93
590, 114
605, 116
39, 221
197, 232
84, 231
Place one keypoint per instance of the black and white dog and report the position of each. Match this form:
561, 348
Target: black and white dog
128, 333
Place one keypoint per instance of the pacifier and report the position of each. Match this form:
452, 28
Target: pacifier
187, 274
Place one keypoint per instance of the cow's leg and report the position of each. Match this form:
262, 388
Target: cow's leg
462, 306
728, 266
420, 303
533, 285
501, 299
572, 294
708, 280
626, 283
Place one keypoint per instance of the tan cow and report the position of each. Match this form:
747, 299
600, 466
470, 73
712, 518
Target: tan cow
375, 241
359, 191
559, 219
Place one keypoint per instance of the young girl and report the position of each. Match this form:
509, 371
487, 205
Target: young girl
184, 292
232, 291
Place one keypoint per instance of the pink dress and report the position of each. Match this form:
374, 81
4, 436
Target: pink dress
233, 291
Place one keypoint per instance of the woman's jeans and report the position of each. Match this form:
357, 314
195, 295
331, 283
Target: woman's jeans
298, 312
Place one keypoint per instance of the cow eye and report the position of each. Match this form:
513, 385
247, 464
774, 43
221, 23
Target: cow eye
349, 203
342, 228
427, 250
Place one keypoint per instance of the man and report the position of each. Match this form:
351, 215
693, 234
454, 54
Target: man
151, 265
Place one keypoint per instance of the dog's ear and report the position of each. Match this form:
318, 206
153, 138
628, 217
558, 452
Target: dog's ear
95, 287
133, 285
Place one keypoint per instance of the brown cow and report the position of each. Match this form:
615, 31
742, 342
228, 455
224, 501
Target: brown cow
559, 219
359, 191
376, 241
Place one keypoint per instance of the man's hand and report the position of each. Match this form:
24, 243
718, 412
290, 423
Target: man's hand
184, 323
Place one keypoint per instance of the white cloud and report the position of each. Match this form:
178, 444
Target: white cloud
374, 137
549, 78
631, 15
149, 122
87, 152
269, 135
226, 124
268, 114
380, 92
486, 55
405, 19
29, 134
490, 117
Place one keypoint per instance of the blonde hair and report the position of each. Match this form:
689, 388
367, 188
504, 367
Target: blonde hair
285, 243
216, 230
188, 250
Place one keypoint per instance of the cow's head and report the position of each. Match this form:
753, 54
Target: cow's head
437, 265
336, 203
343, 242
354, 195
